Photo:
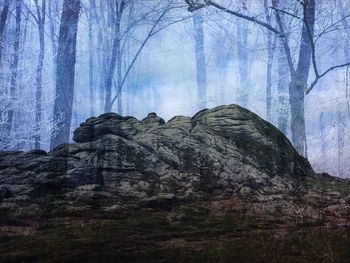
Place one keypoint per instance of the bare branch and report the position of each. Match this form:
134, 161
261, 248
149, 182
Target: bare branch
38, 11
313, 50
332, 27
324, 74
170, 24
284, 38
149, 35
31, 13
193, 7
249, 18
285, 12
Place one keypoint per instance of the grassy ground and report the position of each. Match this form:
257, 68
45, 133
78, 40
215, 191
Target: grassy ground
189, 235
327, 183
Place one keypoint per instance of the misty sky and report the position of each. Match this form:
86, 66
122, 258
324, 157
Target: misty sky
163, 79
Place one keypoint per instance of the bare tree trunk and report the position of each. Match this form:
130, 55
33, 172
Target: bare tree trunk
41, 15
51, 11
242, 49
296, 100
111, 70
66, 58
14, 67
3, 19
101, 51
115, 60
200, 60
298, 83
130, 82
103, 61
18, 141
91, 59
282, 90
271, 47
119, 79
342, 119
271, 53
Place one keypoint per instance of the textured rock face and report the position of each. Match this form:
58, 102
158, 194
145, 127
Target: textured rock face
226, 151
128, 187
223, 149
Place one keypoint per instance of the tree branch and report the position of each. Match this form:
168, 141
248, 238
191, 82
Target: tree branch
31, 13
285, 12
249, 18
313, 50
149, 35
283, 36
324, 74
193, 7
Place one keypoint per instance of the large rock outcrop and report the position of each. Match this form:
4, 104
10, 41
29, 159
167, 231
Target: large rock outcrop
226, 150
221, 162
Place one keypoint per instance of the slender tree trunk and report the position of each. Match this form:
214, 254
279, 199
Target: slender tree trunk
296, 101
200, 60
3, 89
14, 67
103, 61
271, 47
20, 140
298, 83
66, 58
3, 19
270, 54
91, 60
242, 37
282, 91
39, 74
115, 61
119, 67
119, 81
342, 119
130, 81
101, 51
53, 37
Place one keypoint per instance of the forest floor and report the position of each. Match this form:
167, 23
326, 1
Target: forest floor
187, 233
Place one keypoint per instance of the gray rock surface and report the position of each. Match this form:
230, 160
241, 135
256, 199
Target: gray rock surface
134, 189
225, 151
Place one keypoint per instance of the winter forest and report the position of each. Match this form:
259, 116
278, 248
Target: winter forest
63, 61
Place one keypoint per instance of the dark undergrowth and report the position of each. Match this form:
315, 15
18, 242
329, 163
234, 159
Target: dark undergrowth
152, 237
